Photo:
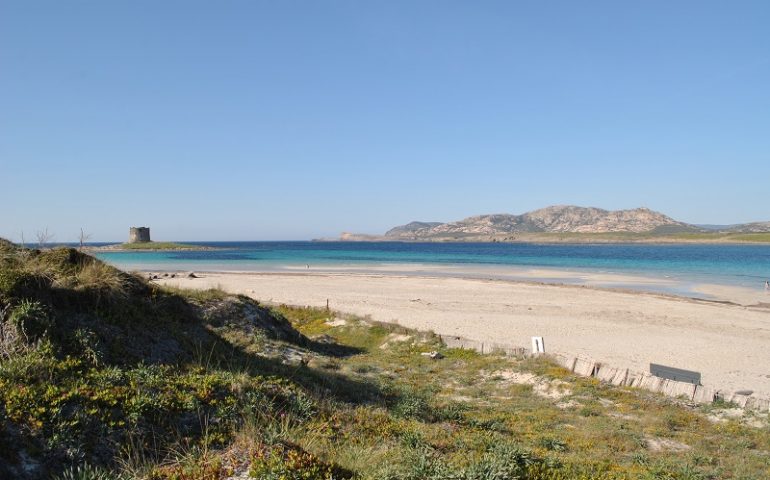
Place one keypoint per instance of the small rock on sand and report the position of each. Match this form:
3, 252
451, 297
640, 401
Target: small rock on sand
433, 355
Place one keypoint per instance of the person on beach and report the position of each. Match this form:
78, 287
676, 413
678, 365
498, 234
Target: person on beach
767, 286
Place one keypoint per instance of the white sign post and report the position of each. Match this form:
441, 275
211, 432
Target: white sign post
538, 346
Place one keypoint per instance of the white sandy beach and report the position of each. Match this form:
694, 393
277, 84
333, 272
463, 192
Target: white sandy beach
728, 343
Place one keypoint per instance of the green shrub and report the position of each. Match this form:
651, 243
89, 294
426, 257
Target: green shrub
87, 472
502, 461
88, 344
31, 319
412, 439
288, 462
69, 407
553, 444
425, 464
450, 412
412, 404
301, 405
9, 277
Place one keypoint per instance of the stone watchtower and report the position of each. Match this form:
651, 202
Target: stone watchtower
139, 235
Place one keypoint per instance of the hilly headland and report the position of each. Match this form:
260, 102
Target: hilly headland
571, 224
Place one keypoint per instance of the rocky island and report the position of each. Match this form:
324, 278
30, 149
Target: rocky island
568, 223
139, 241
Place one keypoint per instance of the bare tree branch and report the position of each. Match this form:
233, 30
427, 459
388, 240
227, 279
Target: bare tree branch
44, 237
83, 238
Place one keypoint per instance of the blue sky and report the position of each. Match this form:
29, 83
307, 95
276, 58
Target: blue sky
293, 120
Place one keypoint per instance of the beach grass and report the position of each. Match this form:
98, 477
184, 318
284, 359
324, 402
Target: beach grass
752, 237
724, 237
467, 410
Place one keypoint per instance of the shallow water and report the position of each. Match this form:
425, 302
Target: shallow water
675, 266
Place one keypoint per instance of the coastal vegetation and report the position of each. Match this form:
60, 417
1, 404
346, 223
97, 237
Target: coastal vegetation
106, 375
757, 237
155, 246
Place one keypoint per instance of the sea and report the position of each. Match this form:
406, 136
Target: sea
674, 268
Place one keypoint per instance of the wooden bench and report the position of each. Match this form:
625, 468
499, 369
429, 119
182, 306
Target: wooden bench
671, 373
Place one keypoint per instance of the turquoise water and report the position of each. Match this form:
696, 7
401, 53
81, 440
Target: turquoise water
737, 265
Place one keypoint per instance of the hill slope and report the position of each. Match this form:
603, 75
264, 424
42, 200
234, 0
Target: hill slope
555, 219
411, 228
94, 361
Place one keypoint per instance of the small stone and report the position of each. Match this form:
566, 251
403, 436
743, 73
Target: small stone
323, 338
434, 355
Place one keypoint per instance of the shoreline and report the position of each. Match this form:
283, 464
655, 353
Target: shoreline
571, 241
724, 341
554, 238
632, 291
628, 282
714, 289
120, 248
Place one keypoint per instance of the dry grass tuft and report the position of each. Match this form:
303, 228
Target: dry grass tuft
102, 278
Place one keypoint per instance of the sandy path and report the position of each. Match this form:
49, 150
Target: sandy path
728, 344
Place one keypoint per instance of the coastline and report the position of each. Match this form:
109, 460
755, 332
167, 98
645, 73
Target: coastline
121, 248
723, 339
612, 280
749, 238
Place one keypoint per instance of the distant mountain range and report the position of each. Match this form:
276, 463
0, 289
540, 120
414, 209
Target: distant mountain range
559, 219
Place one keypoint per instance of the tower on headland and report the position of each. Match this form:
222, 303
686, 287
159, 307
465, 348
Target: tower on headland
139, 235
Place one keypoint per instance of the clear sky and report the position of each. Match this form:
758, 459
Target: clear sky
249, 120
